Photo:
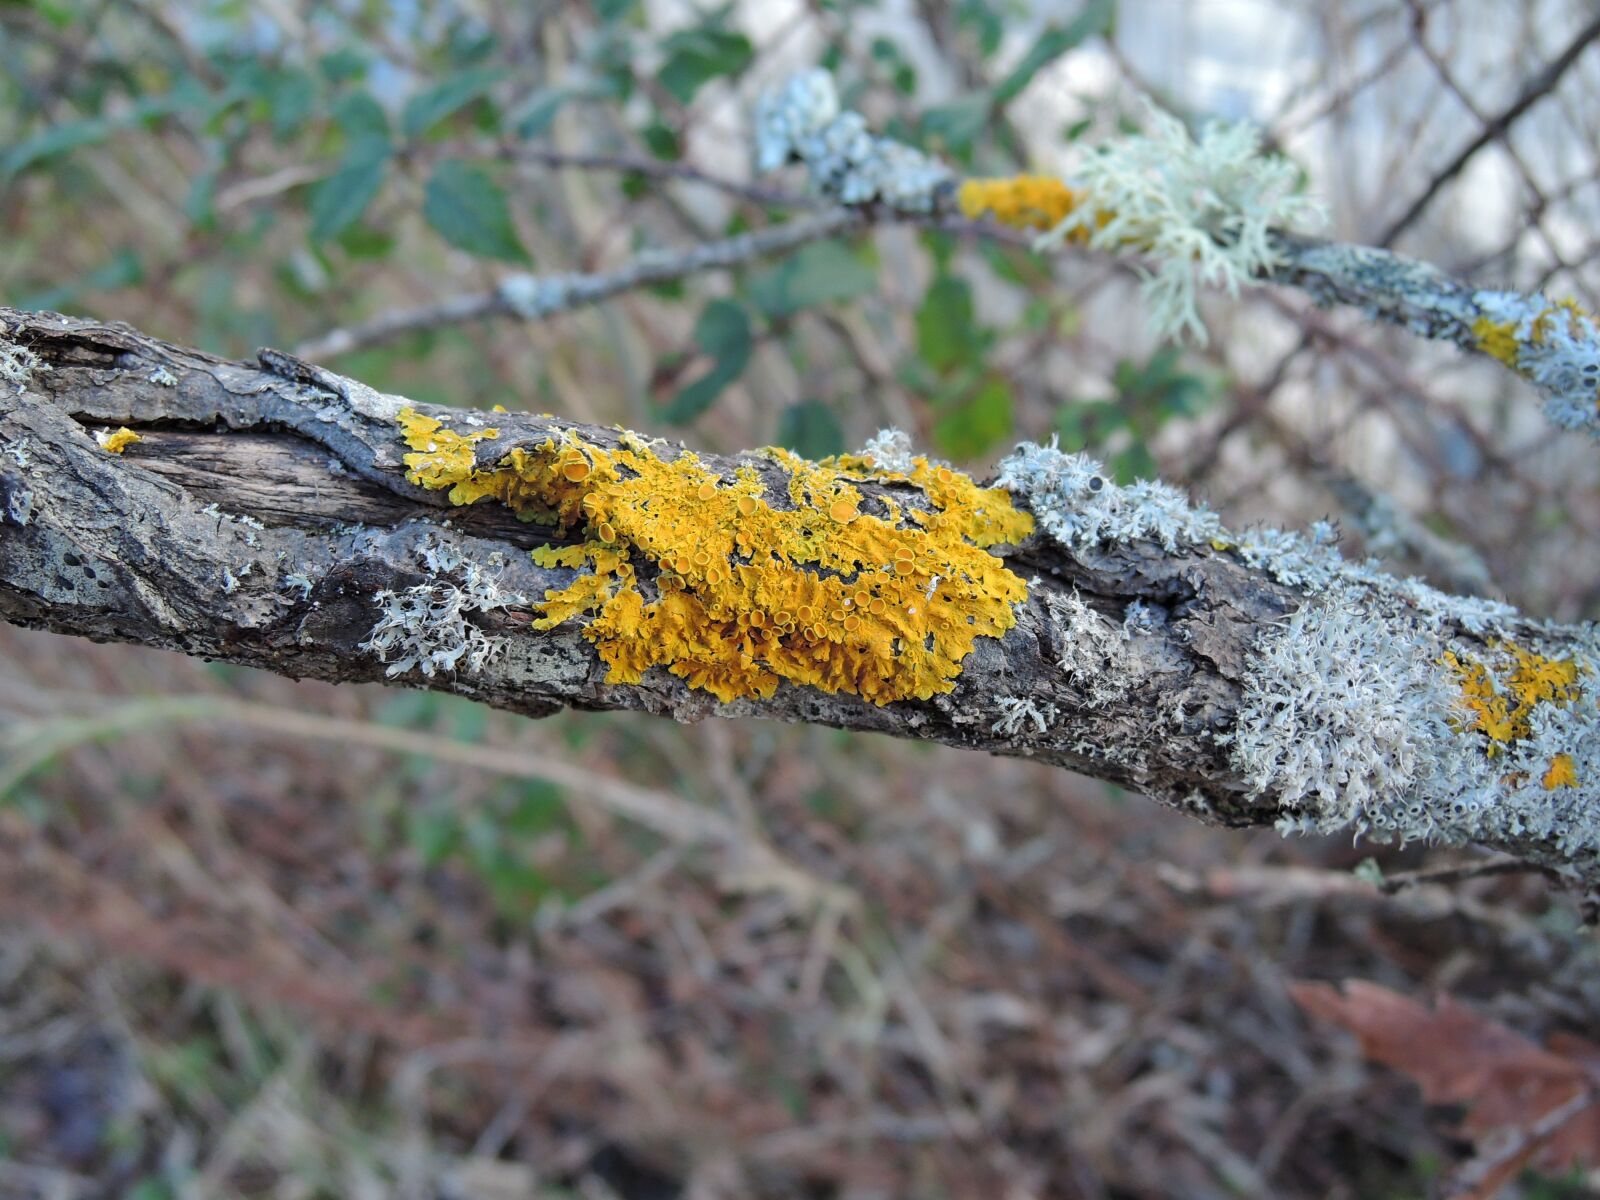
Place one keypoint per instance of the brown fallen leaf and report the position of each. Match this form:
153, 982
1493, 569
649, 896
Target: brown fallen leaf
1528, 1106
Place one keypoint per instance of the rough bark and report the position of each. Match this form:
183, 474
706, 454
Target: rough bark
266, 506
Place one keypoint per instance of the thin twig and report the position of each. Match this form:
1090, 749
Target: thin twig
535, 297
1540, 86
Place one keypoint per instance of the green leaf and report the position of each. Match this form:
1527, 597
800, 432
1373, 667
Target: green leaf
535, 115
977, 422
822, 273
291, 95
427, 108
945, 324
468, 209
363, 121
723, 331
811, 430
55, 141
1056, 40
338, 200
952, 128
696, 56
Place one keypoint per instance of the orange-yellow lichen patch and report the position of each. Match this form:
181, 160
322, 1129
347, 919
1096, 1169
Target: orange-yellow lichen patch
732, 588
443, 457
1498, 339
1022, 201
117, 442
1562, 773
1498, 703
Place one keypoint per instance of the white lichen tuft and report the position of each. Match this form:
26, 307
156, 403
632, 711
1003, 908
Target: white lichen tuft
1018, 712
1557, 347
1203, 210
1356, 720
891, 451
426, 627
1339, 714
802, 120
18, 364
1075, 502
534, 296
162, 377
1094, 652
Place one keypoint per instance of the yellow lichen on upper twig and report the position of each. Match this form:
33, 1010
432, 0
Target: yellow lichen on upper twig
733, 589
1021, 201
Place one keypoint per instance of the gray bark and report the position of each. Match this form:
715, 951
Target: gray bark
266, 506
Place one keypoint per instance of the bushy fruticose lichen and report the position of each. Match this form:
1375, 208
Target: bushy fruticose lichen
733, 588
1381, 703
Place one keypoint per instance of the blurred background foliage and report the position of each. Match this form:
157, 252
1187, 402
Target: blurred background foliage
356, 942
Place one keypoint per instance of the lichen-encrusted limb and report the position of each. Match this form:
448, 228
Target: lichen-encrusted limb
1212, 210
277, 515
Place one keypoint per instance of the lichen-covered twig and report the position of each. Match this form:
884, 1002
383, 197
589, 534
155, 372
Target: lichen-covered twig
279, 515
533, 297
1211, 211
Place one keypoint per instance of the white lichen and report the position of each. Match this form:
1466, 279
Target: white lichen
1017, 712
1075, 502
1356, 720
1094, 652
427, 628
534, 296
162, 377
1557, 347
1078, 504
802, 120
891, 451
18, 364
1203, 211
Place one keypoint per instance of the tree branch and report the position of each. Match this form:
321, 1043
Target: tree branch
265, 517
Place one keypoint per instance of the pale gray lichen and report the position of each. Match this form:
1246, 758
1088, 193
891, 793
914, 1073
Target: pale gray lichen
1352, 719
802, 120
534, 296
18, 364
1075, 502
1555, 345
19, 506
891, 450
1205, 211
1078, 504
427, 627
1094, 652
1017, 712
162, 377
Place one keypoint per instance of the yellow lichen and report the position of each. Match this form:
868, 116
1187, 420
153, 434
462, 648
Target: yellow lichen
443, 457
1022, 201
1498, 339
116, 443
1498, 703
1562, 773
732, 588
